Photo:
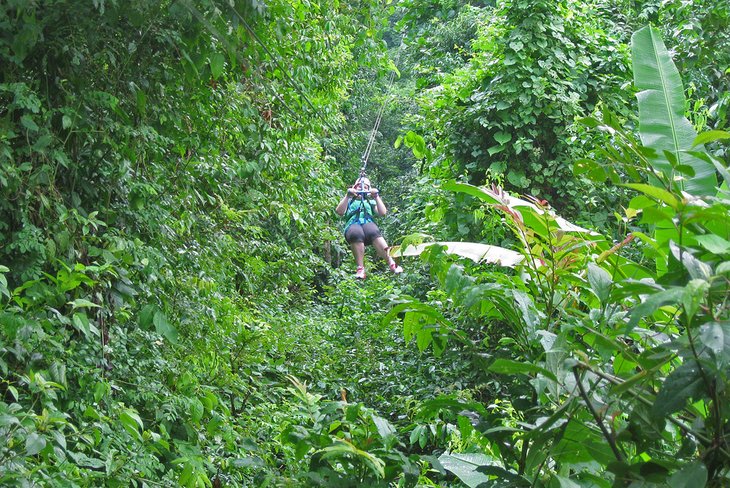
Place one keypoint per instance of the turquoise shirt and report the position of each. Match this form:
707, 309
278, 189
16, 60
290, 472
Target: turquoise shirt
355, 215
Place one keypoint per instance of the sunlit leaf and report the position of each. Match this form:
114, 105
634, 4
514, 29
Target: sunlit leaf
662, 124
464, 466
475, 251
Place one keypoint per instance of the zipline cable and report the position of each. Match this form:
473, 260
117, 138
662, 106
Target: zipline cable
379, 117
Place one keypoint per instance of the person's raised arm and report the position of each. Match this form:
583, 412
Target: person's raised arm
380, 208
342, 206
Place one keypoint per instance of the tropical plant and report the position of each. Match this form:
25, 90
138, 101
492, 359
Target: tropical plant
616, 368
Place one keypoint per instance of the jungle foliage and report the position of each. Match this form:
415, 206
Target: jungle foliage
172, 307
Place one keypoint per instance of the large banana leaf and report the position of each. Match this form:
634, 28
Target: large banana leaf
475, 251
662, 124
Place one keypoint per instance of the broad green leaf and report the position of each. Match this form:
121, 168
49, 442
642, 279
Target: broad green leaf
502, 137
683, 383
42, 143
146, 316
716, 336
475, 251
655, 192
710, 136
101, 389
580, 443
600, 281
496, 149
509, 366
82, 324
698, 270
464, 466
566, 482
86, 461
662, 124
217, 62
164, 328
694, 295
423, 339
652, 303
83, 303
690, 476
34, 444
6, 420
28, 122
713, 243
343, 448
385, 429
196, 410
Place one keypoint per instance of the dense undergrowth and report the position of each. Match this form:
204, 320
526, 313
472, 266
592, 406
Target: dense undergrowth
176, 304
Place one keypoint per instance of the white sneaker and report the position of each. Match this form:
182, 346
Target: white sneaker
395, 268
360, 273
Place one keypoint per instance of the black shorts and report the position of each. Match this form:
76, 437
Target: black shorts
366, 233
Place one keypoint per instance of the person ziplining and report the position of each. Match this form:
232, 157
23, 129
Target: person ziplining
359, 206
362, 202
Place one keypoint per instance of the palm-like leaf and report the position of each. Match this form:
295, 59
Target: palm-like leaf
662, 124
475, 251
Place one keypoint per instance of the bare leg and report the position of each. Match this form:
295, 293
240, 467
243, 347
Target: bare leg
381, 247
358, 251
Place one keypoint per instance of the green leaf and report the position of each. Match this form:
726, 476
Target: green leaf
502, 137
164, 328
714, 243
101, 389
662, 124
716, 336
343, 449
34, 444
710, 136
694, 295
196, 410
81, 323
464, 466
6, 420
146, 316
477, 252
567, 482
83, 303
690, 476
131, 422
217, 63
600, 281
652, 304
42, 143
697, 269
495, 149
683, 383
27, 122
509, 366
655, 192
385, 429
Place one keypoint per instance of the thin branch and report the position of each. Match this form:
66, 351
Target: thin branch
606, 433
